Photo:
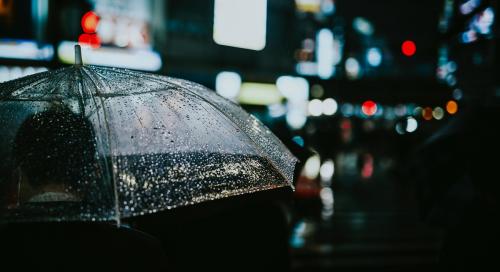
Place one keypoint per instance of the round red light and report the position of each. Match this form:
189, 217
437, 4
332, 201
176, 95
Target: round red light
90, 39
427, 113
89, 22
369, 108
408, 48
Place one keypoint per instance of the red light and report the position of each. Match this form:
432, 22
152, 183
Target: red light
369, 108
367, 170
408, 48
427, 113
89, 22
90, 39
345, 124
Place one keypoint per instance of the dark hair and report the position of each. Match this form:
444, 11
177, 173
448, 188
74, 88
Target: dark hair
54, 146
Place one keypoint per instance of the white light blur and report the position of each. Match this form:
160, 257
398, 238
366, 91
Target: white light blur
328, 201
469, 6
4, 74
327, 7
484, 21
352, 68
276, 110
326, 171
326, 195
27, 50
228, 84
296, 91
374, 57
438, 113
325, 53
296, 118
14, 72
329, 106
122, 34
293, 88
306, 68
312, 166
106, 29
240, 23
411, 124
29, 71
363, 26
315, 107
139, 59
136, 37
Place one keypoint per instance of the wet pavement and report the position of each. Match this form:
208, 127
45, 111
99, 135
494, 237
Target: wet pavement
375, 227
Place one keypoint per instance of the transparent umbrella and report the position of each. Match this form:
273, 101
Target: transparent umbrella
87, 143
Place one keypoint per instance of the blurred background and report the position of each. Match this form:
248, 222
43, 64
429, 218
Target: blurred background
366, 93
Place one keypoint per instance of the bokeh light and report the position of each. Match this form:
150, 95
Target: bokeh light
451, 107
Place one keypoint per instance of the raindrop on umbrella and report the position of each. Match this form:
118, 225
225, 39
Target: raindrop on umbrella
92, 143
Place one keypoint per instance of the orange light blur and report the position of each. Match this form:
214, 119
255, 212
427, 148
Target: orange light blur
89, 22
427, 113
451, 107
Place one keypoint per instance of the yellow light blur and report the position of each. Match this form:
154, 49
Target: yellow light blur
438, 113
259, 94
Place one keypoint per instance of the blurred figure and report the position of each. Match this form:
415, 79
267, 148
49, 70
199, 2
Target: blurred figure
52, 151
459, 191
55, 154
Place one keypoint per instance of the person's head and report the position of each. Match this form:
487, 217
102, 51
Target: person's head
53, 148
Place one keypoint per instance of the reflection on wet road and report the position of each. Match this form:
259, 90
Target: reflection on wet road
375, 226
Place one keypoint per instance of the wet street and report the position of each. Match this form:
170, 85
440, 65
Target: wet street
250, 135
375, 227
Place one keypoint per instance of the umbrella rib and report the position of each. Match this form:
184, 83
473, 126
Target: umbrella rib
35, 83
156, 78
55, 75
263, 154
106, 124
118, 94
160, 79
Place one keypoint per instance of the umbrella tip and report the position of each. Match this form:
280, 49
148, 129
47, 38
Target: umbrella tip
78, 55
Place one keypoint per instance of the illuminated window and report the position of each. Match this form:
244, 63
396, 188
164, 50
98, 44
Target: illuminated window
240, 23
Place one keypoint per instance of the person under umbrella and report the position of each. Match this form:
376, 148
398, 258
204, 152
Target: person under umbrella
53, 149
159, 145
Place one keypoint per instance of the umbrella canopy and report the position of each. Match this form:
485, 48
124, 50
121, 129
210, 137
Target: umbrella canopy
92, 143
